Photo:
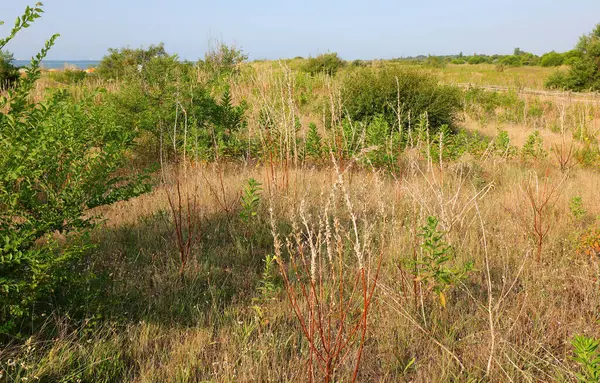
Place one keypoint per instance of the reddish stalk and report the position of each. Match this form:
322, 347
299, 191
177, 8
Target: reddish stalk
332, 315
184, 226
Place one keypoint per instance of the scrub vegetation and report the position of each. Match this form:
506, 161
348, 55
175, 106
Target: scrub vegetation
300, 220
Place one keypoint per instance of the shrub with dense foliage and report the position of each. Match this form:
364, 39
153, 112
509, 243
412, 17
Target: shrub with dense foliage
223, 59
552, 59
179, 115
121, 62
513, 61
474, 60
367, 93
585, 71
328, 63
9, 74
58, 159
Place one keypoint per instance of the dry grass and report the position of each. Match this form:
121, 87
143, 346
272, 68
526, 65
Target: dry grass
227, 319
487, 74
536, 308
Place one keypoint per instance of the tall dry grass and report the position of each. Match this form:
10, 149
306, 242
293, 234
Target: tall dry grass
335, 230
529, 310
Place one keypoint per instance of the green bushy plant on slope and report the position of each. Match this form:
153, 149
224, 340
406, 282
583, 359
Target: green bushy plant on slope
58, 159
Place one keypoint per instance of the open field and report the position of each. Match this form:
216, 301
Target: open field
297, 220
221, 326
488, 74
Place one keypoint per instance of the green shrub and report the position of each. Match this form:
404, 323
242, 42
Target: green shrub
328, 63
576, 207
314, 144
571, 57
250, 200
584, 74
50, 177
358, 63
122, 62
505, 106
552, 59
529, 59
512, 61
534, 147
588, 156
474, 60
367, 93
9, 74
432, 268
224, 59
181, 115
571, 61
502, 144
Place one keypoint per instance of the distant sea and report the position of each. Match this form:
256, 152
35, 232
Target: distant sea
61, 64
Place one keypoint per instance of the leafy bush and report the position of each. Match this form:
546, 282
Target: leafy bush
181, 115
9, 74
585, 71
432, 268
484, 105
314, 144
529, 59
534, 147
328, 63
474, 60
588, 155
224, 59
512, 61
571, 57
122, 62
49, 177
552, 59
367, 93
250, 200
503, 146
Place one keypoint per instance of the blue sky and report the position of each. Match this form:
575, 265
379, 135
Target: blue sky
280, 28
